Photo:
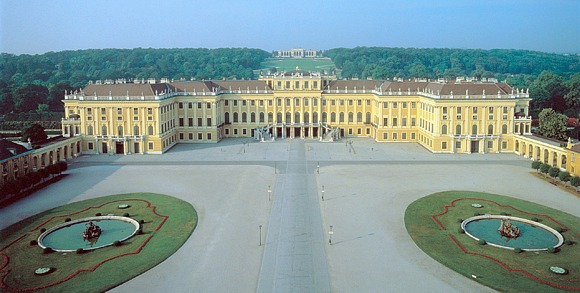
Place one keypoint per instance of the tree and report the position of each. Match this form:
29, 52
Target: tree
548, 91
573, 87
536, 165
553, 172
42, 109
564, 176
552, 124
56, 95
36, 134
27, 97
544, 168
575, 181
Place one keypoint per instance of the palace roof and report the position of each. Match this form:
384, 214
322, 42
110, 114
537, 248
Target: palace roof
10, 149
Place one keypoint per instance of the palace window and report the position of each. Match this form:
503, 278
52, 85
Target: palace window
261, 117
458, 145
190, 136
458, 130
490, 144
89, 111
209, 136
444, 129
404, 135
394, 106
341, 102
150, 111
350, 117
261, 103
253, 117
474, 129
443, 145
150, 130
287, 85
385, 136
341, 117
181, 122
504, 145
243, 103
385, 105
190, 120
235, 117
305, 84
270, 117
244, 117
199, 121
413, 105
394, 122
413, 121
404, 105
315, 84
490, 129
332, 117
90, 145
89, 130
180, 105
199, 136
208, 120
297, 117
103, 111
395, 136
199, 105
190, 105
403, 121
368, 118
504, 129
385, 121
208, 105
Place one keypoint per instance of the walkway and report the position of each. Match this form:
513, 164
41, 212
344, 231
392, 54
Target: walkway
294, 257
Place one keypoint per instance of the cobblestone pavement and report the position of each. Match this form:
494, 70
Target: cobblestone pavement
367, 185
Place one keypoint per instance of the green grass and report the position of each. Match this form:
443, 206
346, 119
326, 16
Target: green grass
435, 241
305, 64
24, 258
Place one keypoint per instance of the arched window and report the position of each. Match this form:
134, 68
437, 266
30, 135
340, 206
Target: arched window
235, 117
271, 117
504, 129
288, 117
89, 130
306, 118
324, 117
359, 117
227, 117
104, 130
474, 129
120, 130
350, 117
135, 130
368, 118
244, 117
458, 130
150, 130
253, 117
490, 129
341, 117
297, 116
261, 117
315, 117
279, 117
444, 129
332, 117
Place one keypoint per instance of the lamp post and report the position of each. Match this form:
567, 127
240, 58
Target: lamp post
260, 235
330, 235
318, 168
322, 192
269, 193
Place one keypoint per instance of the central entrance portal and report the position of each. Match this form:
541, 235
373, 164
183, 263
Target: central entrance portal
475, 146
119, 148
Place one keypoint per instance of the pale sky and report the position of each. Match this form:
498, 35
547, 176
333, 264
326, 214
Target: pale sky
39, 26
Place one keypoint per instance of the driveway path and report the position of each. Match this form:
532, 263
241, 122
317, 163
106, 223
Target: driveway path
294, 257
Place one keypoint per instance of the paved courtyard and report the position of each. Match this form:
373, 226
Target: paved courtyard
367, 187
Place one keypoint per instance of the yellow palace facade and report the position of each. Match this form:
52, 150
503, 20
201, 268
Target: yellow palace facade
151, 116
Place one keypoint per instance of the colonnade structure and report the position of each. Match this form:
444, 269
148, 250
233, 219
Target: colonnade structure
18, 160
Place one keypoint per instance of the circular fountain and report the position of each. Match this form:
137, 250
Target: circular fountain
511, 232
88, 233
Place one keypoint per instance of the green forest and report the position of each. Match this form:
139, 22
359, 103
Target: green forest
35, 84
